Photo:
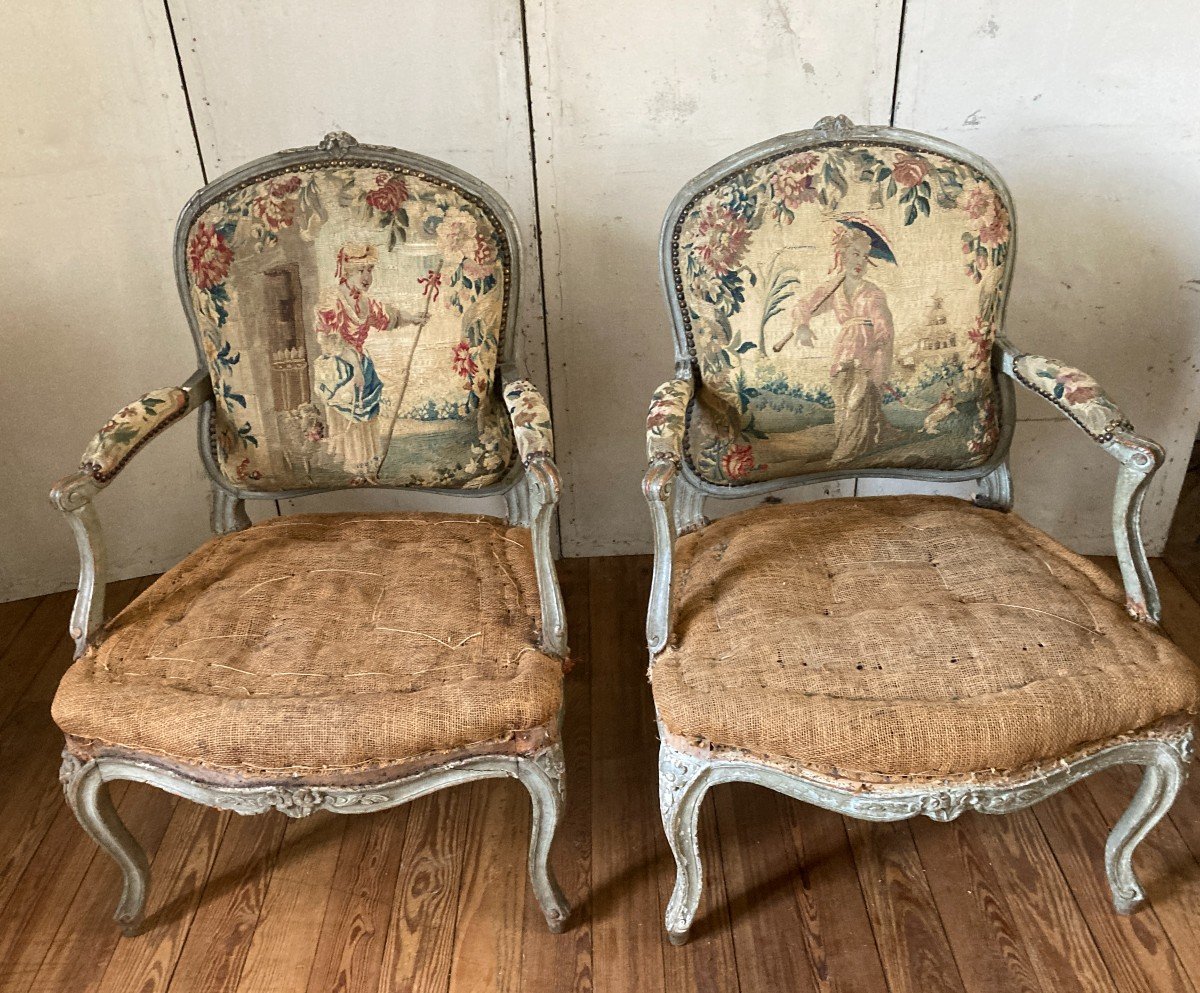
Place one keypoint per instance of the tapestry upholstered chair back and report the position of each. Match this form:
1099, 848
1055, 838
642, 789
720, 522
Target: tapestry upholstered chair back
837, 299
352, 313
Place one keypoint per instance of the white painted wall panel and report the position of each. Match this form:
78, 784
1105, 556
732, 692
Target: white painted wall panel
446, 81
1088, 110
630, 101
97, 157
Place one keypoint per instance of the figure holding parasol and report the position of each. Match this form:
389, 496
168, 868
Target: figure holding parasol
862, 352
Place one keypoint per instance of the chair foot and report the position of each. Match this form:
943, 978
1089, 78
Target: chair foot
87, 795
682, 785
1163, 776
543, 775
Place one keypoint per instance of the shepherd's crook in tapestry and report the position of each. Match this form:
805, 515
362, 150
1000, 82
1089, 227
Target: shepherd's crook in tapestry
832, 327
351, 319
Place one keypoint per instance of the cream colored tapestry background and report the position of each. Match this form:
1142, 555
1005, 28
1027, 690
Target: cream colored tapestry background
1085, 108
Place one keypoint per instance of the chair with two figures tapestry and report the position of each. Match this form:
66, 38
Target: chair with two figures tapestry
353, 309
838, 300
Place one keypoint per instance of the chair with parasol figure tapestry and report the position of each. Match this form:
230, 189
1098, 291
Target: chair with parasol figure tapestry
838, 300
354, 310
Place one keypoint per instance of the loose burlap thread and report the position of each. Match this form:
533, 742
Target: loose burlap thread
324, 641
905, 636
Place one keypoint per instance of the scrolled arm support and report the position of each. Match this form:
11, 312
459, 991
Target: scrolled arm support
658, 488
533, 499
1140, 459
1080, 398
666, 422
107, 454
544, 486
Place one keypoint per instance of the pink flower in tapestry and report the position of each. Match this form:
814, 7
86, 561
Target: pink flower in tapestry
909, 170
721, 239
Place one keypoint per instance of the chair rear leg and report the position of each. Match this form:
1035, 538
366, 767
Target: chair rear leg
87, 794
1160, 784
543, 775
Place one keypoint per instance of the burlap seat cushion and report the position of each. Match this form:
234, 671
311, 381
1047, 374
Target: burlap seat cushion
905, 636
324, 641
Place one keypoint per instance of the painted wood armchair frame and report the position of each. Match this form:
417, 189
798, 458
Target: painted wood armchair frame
676, 497
531, 491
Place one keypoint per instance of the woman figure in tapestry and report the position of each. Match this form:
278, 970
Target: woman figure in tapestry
862, 352
345, 375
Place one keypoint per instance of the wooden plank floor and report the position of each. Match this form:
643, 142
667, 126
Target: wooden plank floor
433, 896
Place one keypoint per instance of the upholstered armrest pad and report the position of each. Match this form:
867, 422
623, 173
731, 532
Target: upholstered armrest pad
530, 419
1075, 393
666, 419
129, 429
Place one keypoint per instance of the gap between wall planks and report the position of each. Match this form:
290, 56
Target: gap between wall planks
433, 896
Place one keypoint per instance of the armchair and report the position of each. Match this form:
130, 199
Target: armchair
353, 308
837, 297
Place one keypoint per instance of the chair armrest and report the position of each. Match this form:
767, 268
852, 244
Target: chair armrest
533, 500
667, 419
665, 424
530, 416
1083, 400
106, 455
1071, 390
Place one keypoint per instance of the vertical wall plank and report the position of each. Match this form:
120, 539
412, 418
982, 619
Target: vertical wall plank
97, 159
630, 100
1088, 112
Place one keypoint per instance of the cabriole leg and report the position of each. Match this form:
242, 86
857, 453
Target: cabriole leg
87, 794
1159, 787
543, 775
682, 786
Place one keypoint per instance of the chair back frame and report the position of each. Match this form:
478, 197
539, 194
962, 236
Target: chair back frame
340, 149
691, 490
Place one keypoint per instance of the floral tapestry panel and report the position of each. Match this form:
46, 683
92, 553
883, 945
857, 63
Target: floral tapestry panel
841, 304
352, 319
129, 429
1074, 392
666, 419
531, 420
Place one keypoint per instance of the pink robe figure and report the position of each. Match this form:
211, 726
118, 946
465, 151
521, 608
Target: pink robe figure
862, 362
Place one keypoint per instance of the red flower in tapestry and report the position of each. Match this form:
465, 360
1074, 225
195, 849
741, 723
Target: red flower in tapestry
277, 207
737, 461
463, 364
208, 256
389, 194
